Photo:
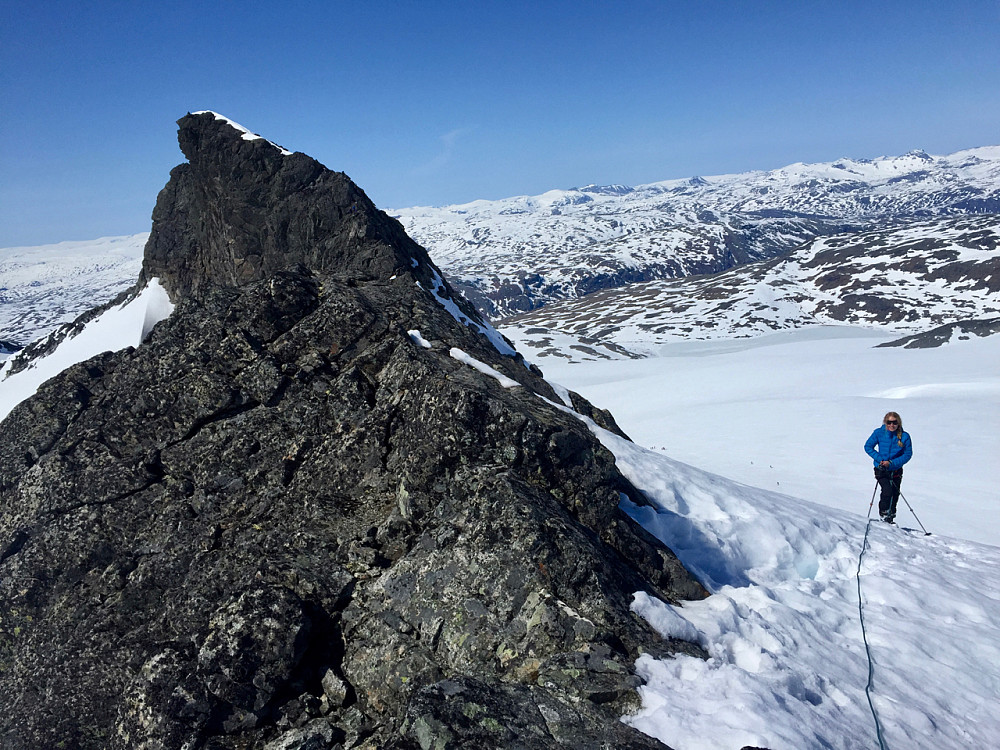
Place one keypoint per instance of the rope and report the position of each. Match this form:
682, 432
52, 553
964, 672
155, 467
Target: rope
864, 635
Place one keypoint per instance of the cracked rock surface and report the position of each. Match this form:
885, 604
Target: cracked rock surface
283, 523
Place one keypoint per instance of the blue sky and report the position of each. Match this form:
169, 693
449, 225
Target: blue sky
430, 103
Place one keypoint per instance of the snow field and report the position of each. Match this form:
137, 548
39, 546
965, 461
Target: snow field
790, 412
126, 325
43, 287
787, 666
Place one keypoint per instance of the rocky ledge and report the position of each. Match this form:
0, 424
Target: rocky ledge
296, 518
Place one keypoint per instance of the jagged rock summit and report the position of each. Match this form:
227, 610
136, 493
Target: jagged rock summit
323, 505
243, 208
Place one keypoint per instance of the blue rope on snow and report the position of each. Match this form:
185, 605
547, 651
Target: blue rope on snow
864, 635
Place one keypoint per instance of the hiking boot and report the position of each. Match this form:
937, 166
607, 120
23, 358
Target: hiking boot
889, 518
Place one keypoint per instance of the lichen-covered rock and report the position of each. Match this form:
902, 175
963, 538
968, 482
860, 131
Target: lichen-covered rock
287, 522
472, 713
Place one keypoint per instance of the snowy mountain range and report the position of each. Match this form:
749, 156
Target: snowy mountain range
907, 243
909, 278
518, 254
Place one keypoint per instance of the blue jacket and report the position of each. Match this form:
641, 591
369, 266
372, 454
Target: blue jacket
884, 446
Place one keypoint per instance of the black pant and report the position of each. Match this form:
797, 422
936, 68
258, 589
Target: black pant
889, 481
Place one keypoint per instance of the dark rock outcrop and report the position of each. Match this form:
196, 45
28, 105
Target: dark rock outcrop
941, 335
285, 521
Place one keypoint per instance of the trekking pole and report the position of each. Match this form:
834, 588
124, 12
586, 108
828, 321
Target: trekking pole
873, 499
926, 532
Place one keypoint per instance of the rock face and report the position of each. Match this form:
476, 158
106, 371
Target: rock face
241, 209
941, 335
290, 521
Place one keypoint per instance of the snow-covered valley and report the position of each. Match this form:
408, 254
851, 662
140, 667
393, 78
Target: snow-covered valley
903, 280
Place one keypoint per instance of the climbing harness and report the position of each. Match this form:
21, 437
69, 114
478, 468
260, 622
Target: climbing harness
864, 634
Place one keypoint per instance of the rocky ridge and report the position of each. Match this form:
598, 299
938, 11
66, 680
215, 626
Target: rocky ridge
296, 517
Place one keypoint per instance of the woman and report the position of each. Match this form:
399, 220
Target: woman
890, 448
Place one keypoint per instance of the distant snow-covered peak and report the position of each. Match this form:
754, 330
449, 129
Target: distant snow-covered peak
867, 170
979, 168
606, 189
555, 198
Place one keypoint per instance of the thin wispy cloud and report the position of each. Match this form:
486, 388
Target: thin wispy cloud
448, 144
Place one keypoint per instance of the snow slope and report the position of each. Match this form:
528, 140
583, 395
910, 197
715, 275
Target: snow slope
790, 413
116, 328
788, 666
45, 286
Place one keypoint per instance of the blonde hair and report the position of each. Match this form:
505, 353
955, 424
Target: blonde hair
899, 435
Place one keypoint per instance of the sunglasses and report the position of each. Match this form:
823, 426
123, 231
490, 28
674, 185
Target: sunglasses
892, 421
